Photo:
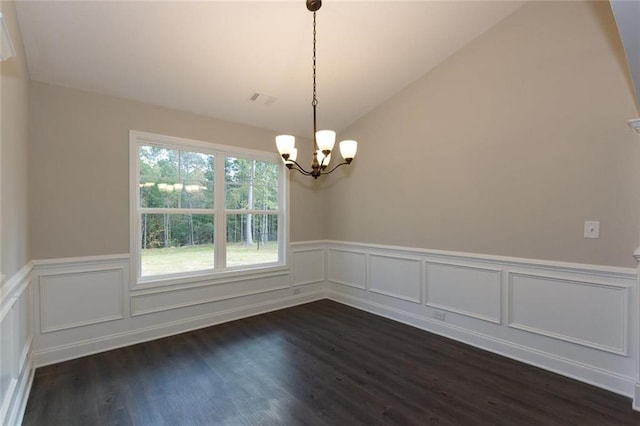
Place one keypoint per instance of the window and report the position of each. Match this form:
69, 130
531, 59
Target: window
200, 209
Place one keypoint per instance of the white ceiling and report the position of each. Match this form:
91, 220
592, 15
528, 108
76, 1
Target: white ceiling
209, 57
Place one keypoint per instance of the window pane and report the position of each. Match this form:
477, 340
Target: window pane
197, 174
252, 239
251, 184
173, 243
175, 179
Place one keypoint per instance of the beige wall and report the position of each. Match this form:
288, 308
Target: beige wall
14, 97
78, 169
506, 148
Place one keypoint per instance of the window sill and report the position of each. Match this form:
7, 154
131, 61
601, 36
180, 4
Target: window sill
207, 278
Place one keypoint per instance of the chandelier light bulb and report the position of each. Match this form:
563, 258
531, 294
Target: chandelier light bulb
348, 149
325, 139
285, 144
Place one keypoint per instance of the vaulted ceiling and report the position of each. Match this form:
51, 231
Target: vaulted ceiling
210, 57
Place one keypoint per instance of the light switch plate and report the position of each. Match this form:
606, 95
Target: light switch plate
592, 229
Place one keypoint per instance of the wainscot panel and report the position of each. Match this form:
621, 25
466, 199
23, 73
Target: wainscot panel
164, 299
593, 314
308, 264
396, 276
464, 289
98, 294
16, 370
347, 268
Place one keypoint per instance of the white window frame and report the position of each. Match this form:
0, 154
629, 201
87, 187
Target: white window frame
136, 139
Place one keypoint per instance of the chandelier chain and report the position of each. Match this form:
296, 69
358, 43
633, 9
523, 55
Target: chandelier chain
314, 102
315, 99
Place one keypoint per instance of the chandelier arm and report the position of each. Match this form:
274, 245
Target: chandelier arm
297, 167
322, 163
301, 171
341, 164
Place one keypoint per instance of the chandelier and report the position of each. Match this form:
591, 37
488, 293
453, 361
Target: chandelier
323, 140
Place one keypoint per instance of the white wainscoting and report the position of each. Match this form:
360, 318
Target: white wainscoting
86, 305
586, 312
465, 289
395, 276
97, 295
347, 268
158, 300
16, 371
577, 320
308, 263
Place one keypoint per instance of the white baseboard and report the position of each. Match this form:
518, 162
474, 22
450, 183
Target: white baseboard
21, 396
598, 377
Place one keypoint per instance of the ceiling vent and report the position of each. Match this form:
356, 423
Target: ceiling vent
262, 99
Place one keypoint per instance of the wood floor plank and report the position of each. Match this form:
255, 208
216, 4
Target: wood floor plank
322, 363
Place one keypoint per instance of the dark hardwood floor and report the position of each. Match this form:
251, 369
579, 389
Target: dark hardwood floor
322, 363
